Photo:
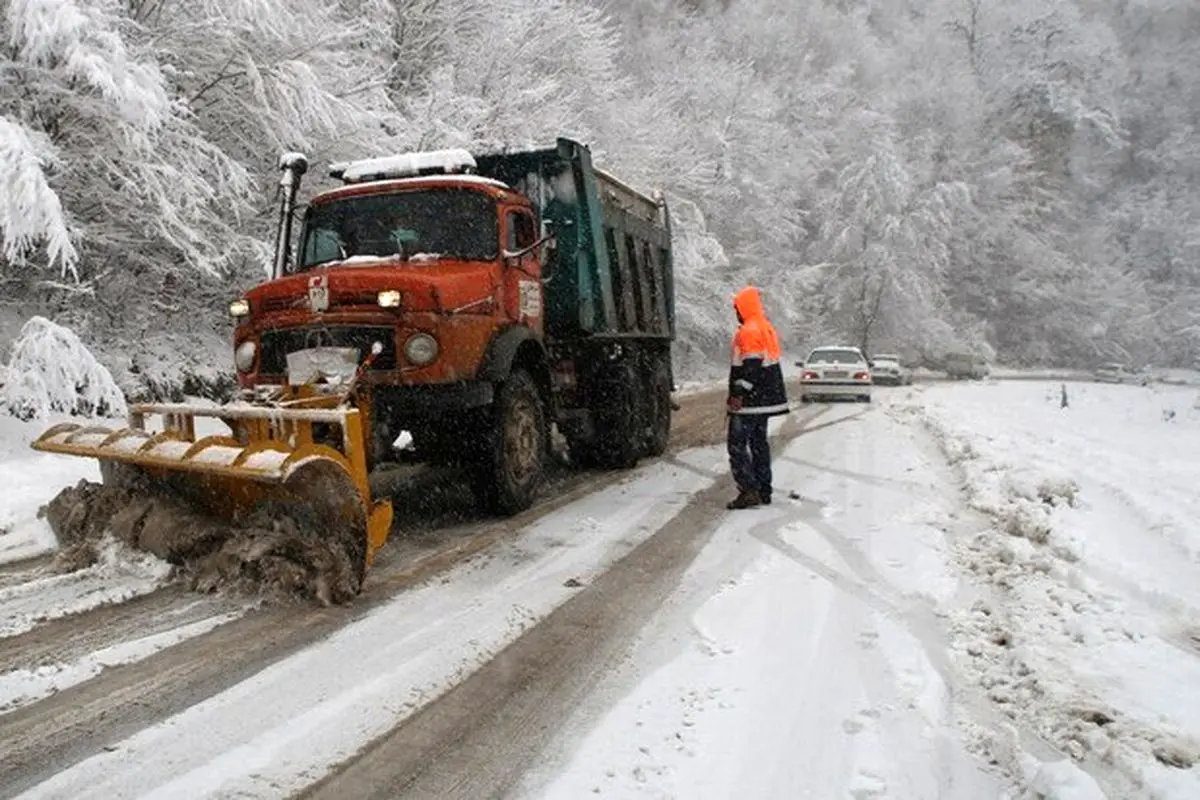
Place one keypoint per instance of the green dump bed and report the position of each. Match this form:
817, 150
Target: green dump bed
611, 274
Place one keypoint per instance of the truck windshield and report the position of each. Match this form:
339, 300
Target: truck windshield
419, 225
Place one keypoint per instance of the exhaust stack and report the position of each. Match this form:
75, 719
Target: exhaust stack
293, 166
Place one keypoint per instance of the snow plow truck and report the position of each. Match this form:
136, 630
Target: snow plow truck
474, 301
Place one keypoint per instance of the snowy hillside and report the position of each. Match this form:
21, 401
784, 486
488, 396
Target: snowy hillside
1015, 176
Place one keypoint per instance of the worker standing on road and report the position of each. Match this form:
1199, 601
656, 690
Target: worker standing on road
756, 392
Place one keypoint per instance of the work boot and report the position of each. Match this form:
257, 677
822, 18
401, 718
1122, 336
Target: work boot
747, 498
764, 498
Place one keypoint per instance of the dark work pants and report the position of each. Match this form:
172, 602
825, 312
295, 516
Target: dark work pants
750, 452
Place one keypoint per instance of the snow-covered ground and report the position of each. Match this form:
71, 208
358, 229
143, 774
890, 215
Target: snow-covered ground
1089, 631
120, 574
801, 656
28, 480
21, 687
972, 593
865, 641
274, 733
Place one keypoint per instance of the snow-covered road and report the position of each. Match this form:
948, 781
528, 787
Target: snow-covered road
802, 655
1024, 599
972, 593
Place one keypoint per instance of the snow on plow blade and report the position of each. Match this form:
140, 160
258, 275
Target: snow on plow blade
306, 460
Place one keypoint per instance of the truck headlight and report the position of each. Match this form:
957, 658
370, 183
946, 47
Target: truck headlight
243, 357
421, 349
239, 308
389, 298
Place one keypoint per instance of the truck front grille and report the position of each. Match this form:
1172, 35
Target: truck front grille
275, 345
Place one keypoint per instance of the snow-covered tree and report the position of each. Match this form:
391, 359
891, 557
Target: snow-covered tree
1021, 175
51, 371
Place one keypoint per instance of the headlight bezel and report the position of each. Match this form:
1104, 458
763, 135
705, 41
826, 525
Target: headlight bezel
245, 355
240, 308
417, 358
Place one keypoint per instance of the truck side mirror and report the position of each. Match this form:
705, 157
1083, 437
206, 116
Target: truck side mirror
513, 258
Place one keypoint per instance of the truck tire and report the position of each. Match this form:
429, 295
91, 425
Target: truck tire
513, 463
615, 413
659, 433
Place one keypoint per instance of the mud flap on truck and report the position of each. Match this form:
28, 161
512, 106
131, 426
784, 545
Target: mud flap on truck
617, 416
660, 405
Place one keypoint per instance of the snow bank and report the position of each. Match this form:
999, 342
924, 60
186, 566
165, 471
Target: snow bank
1089, 573
1060, 780
28, 480
50, 371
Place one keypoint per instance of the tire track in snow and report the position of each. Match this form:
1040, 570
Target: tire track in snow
918, 616
14, 573
119, 576
24, 686
478, 739
61, 645
860, 730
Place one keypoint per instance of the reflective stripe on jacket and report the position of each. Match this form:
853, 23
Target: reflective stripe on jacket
755, 374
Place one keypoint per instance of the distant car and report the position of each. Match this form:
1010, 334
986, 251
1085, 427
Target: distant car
966, 365
835, 372
1115, 372
886, 370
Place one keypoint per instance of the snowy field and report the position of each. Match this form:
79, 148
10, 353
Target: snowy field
1088, 630
971, 592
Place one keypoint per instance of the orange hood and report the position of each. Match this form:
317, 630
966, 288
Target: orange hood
748, 303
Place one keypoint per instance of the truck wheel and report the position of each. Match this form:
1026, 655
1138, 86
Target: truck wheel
615, 410
660, 410
514, 462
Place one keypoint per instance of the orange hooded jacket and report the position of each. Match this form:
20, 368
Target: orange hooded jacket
755, 374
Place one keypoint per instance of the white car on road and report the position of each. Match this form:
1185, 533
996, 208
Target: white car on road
835, 372
1117, 372
887, 369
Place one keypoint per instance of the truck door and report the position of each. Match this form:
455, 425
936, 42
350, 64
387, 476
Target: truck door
522, 278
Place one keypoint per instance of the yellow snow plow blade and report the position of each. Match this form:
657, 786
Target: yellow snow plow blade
297, 454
